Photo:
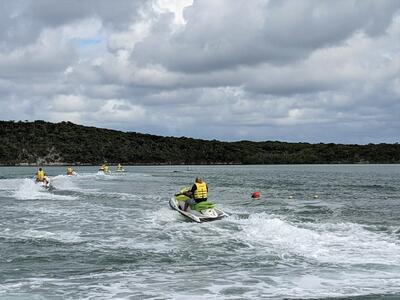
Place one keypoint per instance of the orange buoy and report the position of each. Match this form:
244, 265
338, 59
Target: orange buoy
256, 195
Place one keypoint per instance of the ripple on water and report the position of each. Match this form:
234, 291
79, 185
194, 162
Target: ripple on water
121, 240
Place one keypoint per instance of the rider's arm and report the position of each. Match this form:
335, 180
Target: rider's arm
194, 188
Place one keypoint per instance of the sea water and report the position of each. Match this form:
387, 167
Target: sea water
318, 231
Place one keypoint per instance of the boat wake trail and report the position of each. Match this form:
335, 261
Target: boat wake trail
27, 189
343, 243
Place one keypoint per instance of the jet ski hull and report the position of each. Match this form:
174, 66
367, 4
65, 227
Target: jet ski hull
45, 186
196, 216
102, 172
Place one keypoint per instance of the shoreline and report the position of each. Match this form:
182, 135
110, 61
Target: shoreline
191, 164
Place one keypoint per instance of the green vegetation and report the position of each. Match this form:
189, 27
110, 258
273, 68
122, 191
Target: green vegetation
41, 142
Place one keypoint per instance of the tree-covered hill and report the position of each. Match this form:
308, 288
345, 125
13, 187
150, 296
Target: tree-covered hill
41, 142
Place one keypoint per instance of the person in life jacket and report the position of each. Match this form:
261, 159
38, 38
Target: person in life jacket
105, 168
70, 171
40, 175
198, 193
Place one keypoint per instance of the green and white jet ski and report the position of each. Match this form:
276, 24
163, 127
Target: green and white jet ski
201, 212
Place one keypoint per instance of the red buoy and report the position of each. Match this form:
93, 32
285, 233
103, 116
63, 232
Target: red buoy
256, 195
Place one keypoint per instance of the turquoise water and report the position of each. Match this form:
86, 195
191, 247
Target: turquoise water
318, 231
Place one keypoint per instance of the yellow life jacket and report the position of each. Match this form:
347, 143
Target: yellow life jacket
201, 191
69, 170
40, 175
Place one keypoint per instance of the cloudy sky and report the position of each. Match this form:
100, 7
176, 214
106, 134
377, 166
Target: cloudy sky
288, 70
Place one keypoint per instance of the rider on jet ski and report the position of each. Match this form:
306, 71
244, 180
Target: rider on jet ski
41, 177
198, 193
70, 171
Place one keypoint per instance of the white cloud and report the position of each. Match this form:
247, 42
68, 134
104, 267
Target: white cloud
176, 7
69, 103
118, 110
282, 70
48, 54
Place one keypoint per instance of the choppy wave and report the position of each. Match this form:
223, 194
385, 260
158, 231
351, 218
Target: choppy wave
345, 243
27, 189
43, 235
121, 240
9, 184
64, 182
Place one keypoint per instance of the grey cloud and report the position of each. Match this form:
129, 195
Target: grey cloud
312, 24
15, 30
226, 34
22, 21
54, 13
34, 63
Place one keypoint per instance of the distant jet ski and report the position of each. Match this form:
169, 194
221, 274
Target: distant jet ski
120, 168
103, 172
71, 172
104, 169
202, 212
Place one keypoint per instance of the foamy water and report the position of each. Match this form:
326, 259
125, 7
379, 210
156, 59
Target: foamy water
96, 236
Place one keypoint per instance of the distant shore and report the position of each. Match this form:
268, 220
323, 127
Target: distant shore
164, 164
61, 144
113, 164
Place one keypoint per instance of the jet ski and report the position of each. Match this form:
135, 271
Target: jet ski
120, 168
104, 172
202, 212
104, 169
45, 184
